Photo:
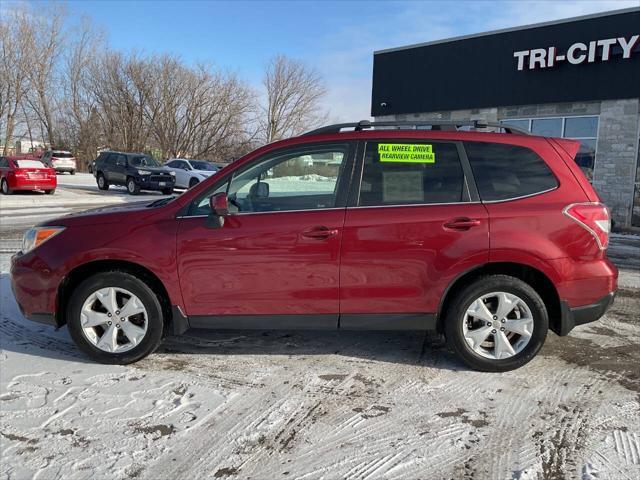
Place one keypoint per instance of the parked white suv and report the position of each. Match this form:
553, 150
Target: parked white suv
60, 161
190, 172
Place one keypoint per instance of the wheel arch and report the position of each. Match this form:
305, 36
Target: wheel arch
537, 279
81, 272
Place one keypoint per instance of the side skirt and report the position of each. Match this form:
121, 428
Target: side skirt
347, 321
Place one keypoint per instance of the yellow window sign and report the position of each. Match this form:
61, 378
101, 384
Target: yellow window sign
406, 153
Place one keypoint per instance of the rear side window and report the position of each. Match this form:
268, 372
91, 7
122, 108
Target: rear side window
504, 172
411, 172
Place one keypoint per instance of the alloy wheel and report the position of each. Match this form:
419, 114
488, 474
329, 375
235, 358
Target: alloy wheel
113, 319
497, 325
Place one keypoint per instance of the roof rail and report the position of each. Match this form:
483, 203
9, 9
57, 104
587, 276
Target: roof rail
409, 125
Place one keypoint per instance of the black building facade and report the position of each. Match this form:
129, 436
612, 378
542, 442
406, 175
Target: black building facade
575, 78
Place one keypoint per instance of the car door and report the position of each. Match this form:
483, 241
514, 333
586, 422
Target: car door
182, 174
119, 169
275, 261
413, 224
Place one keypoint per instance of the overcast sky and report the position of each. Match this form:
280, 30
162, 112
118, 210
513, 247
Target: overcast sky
337, 38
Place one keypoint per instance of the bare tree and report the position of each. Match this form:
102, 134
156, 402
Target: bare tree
16, 38
197, 112
121, 89
79, 124
45, 50
294, 92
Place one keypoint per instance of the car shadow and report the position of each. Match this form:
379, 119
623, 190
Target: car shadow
18, 334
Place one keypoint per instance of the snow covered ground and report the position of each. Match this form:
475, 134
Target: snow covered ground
306, 405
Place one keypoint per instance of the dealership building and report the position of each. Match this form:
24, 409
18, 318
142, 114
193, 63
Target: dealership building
576, 78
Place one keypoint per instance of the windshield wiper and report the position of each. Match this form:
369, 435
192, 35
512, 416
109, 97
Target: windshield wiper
161, 201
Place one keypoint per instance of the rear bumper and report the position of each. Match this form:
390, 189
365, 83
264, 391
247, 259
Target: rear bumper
34, 184
572, 317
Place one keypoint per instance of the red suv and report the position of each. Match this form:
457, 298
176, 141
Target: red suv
490, 238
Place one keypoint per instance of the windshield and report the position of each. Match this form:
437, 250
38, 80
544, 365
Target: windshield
29, 164
202, 165
144, 161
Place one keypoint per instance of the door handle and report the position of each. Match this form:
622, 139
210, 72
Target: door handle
320, 232
462, 223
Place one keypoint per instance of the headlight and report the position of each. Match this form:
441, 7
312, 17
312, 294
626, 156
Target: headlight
36, 236
144, 172
172, 173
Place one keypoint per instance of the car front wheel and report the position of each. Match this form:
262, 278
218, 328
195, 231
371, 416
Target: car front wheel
115, 318
132, 187
193, 182
497, 323
102, 182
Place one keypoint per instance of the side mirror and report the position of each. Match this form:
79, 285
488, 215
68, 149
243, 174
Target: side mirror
219, 204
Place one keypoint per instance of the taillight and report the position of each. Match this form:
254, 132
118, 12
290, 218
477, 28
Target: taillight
593, 217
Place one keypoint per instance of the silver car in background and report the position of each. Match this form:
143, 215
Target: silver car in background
190, 172
60, 161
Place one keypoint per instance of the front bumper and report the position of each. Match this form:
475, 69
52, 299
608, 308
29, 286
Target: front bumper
153, 184
572, 317
34, 288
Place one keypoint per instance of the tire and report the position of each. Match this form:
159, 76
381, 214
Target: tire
88, 339
4, 187
73, 172
132, 187
167, 191
529, 314
50, 192
102, 182
193, 182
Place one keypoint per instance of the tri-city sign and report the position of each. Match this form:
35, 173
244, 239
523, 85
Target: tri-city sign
576, 54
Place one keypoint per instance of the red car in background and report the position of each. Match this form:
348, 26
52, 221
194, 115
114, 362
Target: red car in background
26, 173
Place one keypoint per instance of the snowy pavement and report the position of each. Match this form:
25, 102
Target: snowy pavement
306, 405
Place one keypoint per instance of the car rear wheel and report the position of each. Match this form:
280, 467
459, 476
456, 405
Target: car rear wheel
50, 192
102, 182
115, 318
73, 172
132, 187
4, 187
193, 182
497, 323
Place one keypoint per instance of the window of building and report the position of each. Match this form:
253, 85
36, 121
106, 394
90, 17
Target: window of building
403, 173
503, 172
583, 128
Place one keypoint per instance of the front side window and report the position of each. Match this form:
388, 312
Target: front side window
300, 179
406, 173
504, 172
